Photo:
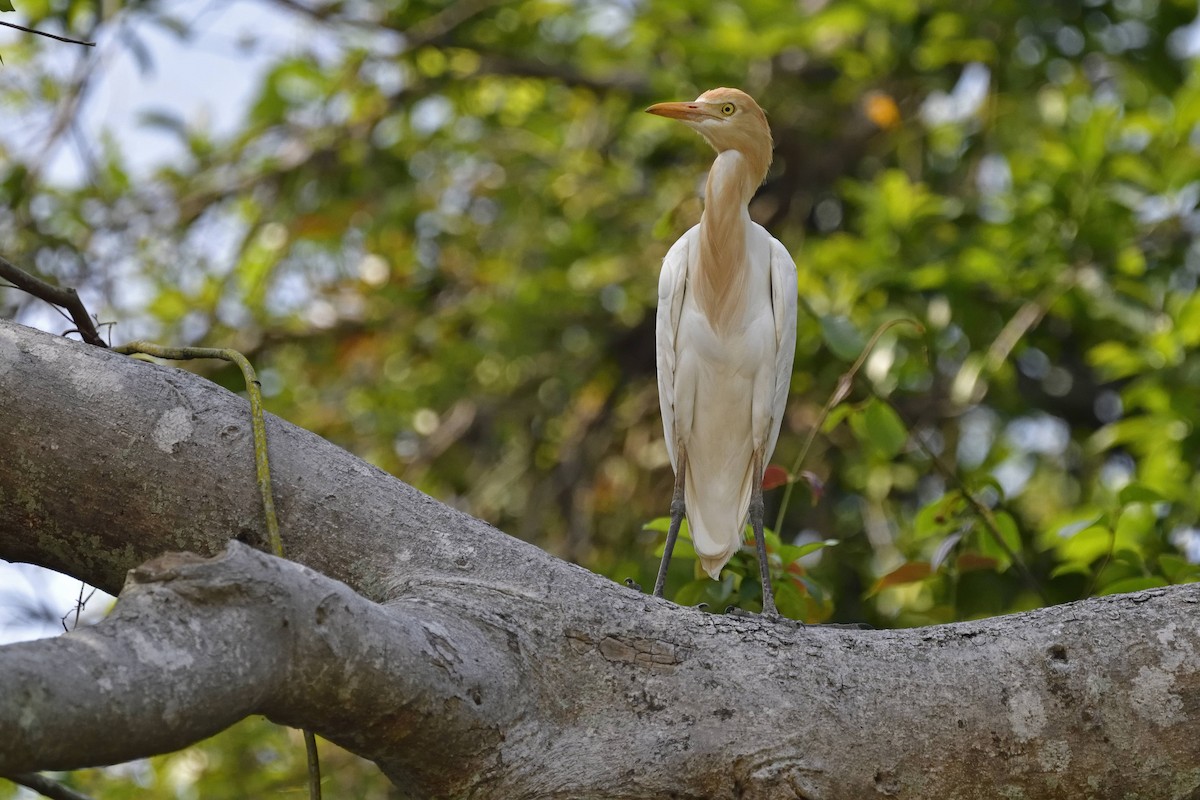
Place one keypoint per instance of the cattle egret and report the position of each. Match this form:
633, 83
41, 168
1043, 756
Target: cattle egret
725, 337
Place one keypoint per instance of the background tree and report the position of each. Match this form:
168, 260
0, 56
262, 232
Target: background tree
437, 235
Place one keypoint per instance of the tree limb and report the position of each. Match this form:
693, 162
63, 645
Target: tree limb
197, 644
475, 665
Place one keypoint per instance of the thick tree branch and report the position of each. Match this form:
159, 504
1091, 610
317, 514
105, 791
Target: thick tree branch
489, 669
196, 644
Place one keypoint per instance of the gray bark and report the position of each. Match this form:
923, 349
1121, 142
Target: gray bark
469, 664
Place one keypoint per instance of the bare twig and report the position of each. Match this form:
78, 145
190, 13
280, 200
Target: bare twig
80, 604
46, 786
48, 35
65, 298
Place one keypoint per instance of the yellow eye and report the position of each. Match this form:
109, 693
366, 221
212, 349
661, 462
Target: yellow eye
728, 109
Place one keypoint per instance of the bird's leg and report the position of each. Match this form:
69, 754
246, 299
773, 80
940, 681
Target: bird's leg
677, 509
760, 541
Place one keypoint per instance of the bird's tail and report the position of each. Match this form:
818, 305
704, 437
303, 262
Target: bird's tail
717, 513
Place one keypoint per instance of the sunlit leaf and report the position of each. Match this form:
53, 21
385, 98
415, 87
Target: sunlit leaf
909, 572
1137, 493
793, 552
1086, 546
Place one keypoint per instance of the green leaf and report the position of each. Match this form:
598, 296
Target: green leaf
843, 338
693, 593
1178, 569
1138, 493
6, 5
1086, 546
1071, 528
835, 417
1136, 584
790, 601
795, 552
663, 524
683, 549
1006, 527
1070, 568
886, 429
940, 517
879, 427
773, 540
683, 542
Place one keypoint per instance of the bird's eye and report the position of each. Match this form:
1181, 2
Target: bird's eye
728, 109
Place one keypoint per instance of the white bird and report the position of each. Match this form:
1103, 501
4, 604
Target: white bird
725, 339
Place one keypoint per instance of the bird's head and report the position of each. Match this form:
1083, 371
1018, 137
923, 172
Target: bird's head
728, 119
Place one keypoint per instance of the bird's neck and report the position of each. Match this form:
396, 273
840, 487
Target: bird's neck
722, 274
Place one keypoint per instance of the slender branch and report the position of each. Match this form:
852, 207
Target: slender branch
48, 35
433, 28
261, 464
66, 298
980, 508
840, 393
80, 604
1026, 318
46, 786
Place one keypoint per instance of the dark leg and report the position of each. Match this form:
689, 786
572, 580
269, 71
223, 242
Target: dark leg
760, 541
677, 509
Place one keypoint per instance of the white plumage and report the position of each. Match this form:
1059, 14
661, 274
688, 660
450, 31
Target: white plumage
722, 395
725, 339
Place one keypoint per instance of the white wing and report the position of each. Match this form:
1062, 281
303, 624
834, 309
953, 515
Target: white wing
672, 285
783, 306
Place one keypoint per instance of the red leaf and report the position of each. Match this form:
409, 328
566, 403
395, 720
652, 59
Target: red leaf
911, 572
774, 476
972, 561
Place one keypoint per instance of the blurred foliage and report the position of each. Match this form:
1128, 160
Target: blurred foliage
253, 759
437, 235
